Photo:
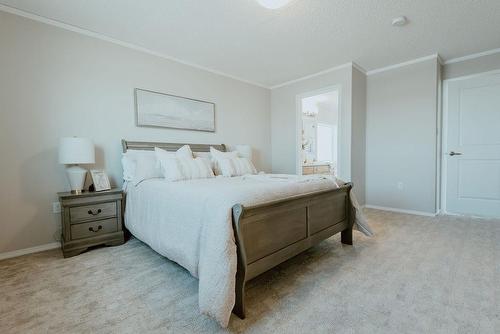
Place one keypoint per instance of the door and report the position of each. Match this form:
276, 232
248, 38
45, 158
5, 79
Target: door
472, 146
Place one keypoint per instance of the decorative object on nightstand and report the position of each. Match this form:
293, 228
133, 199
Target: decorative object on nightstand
100, 180
90, 219
74, 151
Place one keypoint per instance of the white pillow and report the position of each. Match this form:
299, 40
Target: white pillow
183, 152
146, 167
206, 155
182, 167
198, 168
129, 162
139, 165
237, 167
217, 156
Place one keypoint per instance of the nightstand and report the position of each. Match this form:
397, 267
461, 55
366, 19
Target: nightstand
91, 219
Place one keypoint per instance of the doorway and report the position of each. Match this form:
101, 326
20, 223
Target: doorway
318, 137
471, 146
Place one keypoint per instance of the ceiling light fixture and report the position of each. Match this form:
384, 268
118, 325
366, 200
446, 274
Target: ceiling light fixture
399, 21
273, 4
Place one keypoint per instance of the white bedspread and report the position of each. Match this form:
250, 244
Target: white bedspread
190, 223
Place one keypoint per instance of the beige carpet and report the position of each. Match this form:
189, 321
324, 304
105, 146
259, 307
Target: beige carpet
417, 275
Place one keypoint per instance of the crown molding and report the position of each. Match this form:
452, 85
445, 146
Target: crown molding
440, 60
403, 64
349, 64
358, 67
472, 56
90, 33
96, 35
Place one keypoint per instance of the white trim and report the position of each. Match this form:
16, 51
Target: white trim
36, 249
472, 56
97, 35
444, 147
406, 63
439, 59
410, 212
350, 64
470, 76
359, 68
439, 136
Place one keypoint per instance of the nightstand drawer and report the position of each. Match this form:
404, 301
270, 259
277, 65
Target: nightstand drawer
92, 229
92, 212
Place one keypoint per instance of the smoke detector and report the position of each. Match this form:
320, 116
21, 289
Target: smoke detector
399, 21
273, 4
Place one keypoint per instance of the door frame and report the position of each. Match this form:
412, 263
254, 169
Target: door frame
444, 137
298, 122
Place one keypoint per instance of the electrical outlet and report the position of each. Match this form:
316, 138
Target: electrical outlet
56, 207
400, 185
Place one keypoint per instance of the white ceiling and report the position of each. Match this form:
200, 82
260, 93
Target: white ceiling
269, 47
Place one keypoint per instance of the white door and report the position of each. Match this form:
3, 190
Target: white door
472, 146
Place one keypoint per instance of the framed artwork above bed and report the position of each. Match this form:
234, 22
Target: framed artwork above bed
175, 112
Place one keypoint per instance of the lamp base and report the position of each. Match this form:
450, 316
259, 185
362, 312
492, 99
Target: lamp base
76, 177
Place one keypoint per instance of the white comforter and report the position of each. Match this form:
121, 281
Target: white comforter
190, 223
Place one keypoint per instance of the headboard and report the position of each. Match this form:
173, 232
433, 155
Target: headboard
150, 146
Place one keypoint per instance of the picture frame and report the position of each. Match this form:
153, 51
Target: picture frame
100, 180
155, 109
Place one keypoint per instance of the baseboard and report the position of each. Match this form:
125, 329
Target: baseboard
36, 249
410, 212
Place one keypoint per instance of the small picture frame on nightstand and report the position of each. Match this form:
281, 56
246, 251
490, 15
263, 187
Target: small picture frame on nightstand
100, 180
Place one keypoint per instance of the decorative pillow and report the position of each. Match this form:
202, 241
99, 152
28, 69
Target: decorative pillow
183, 152
237, 167
129, 159
198, 168
128, 166
145, 167
207, 156
182, 167
217, 156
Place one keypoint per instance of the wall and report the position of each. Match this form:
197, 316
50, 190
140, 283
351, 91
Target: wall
284, 119
352, 116
472, 66
358, 138
401, 137
58, 83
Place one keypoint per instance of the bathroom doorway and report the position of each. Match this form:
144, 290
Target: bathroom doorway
318, 126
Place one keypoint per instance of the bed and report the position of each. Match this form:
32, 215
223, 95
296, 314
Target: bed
226, 231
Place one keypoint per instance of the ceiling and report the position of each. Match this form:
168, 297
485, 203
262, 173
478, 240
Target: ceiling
268, 47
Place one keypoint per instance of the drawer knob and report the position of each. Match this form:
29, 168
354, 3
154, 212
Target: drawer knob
91, 229
90, 212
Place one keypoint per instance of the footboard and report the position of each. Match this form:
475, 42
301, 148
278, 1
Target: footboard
271, 233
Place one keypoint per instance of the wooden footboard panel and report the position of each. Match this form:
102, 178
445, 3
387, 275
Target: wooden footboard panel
271, 233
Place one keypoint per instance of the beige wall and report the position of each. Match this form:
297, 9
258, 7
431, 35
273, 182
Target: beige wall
284, 119
358, 137
58, 83
352, 114
401, 137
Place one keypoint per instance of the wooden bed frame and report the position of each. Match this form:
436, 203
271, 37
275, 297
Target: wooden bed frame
271, 233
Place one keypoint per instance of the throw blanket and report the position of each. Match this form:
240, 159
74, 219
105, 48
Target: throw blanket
190, 222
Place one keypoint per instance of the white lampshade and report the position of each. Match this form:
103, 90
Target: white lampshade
75, 150
245, 151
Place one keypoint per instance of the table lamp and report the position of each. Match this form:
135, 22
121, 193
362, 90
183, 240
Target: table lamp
74, 151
